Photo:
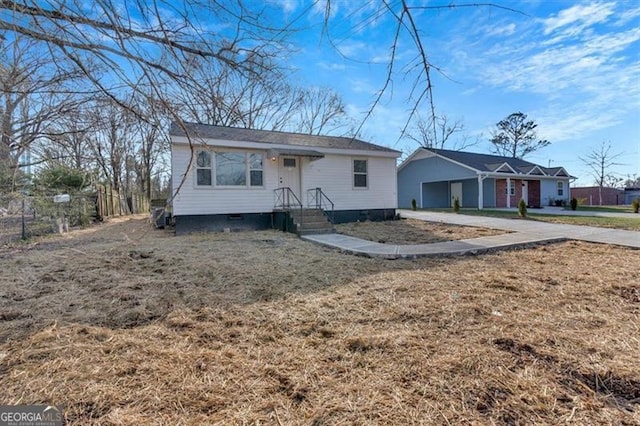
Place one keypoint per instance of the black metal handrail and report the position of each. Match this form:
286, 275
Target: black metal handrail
286, 199
318, 199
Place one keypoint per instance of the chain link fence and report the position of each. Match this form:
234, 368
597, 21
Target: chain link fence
24, 216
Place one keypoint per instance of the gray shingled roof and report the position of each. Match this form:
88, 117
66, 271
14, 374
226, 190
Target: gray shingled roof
489, 163
267, 136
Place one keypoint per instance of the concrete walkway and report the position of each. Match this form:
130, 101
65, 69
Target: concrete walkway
524, 233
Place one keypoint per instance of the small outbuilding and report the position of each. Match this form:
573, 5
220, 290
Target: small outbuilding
590, 195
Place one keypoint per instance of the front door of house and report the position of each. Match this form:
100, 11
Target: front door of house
456, 192
289, 175
525, 192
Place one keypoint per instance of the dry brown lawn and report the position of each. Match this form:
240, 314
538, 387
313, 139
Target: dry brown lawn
122, 324
412, 231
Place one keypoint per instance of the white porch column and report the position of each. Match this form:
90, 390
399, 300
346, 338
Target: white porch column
508, 193
480, 193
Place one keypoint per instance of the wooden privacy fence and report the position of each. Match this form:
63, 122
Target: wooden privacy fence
110, 202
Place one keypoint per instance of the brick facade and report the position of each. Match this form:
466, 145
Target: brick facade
533, 193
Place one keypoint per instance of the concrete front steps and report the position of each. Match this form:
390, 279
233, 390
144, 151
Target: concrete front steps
311, 222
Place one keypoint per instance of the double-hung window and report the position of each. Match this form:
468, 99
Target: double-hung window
512, 188
229, 169
560, 185
255, 169
203, 168
360, 174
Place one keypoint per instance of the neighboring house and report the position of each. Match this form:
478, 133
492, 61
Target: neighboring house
590, 195
631, 194
435, 177
233, 178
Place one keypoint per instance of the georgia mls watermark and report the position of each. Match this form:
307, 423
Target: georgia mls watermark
30, 415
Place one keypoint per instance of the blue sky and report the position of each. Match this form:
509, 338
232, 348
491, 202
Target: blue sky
573, 67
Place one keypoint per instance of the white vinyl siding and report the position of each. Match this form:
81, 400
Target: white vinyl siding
192, 199
333, 173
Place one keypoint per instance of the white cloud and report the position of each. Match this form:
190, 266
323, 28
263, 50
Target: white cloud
578, 17
503, 30
579, 78
332, 66
352, 48
585, 67
628, 16
363, 85
287, 6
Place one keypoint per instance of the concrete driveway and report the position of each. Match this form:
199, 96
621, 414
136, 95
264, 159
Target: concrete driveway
543, 229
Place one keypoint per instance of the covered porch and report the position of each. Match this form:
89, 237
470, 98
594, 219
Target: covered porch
509, 192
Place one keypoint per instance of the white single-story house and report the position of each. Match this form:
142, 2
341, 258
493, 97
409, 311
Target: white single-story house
234, 178
436, 177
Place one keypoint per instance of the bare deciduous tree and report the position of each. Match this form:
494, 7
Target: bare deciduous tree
449, 133
150, 46
111, 140
33, 96
419, 68
600, 160
321, 111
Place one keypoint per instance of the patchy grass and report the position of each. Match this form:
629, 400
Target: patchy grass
632, 223
412, 231
611, 209
122, 324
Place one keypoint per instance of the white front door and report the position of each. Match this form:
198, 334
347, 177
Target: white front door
289, 174
525, 192
456, 192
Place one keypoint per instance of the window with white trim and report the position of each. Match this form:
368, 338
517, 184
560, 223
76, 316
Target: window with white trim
560, 188
360, 178
203, 168
512, 188
230, 169
255, 169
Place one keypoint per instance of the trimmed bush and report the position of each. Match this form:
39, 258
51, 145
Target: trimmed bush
574, 204
456, 205
414, 205
636, 205
522, 208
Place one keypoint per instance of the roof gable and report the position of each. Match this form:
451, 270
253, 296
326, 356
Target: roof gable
498, 164
501, 168
532, 170
206, 131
